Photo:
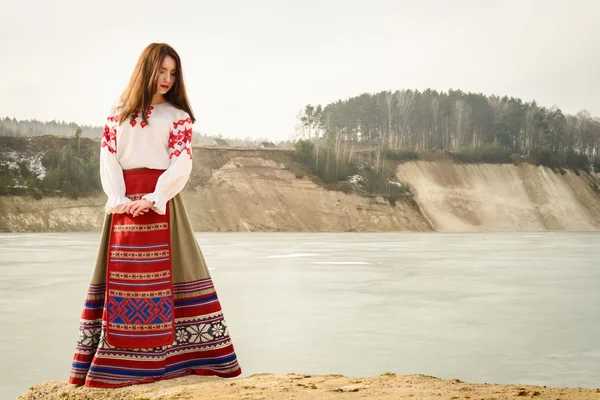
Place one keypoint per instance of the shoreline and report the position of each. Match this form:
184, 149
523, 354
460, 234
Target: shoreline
387, 386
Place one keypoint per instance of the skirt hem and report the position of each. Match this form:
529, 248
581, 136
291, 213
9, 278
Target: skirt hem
198, 372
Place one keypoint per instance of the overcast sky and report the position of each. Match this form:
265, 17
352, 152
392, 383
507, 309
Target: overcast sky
249, 66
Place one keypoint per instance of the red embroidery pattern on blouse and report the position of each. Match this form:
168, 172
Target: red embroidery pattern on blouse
133, 119
143, 123
180, 142
181, 122
109, 138
149, 111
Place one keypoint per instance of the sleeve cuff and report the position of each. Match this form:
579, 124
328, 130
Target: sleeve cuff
160, 204
116, 204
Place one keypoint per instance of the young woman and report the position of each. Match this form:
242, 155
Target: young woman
151, 310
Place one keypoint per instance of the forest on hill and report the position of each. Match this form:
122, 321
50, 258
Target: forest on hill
472, 126
347, 140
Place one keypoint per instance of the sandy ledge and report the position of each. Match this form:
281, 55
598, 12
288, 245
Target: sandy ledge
295, 386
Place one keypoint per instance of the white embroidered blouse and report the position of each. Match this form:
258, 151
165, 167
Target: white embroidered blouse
165, 142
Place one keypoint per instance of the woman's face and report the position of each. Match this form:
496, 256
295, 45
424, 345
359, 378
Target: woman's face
166, 79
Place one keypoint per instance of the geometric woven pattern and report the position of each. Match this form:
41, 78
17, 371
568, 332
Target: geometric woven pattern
201, 345
140, 276
140, 227
140, 255
139, 298
140, 311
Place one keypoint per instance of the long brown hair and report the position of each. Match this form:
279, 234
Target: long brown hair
137, 98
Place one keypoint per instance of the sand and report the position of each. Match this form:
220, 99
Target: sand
295, 386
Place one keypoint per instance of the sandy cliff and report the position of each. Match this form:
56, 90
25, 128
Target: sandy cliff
264, 190
234, 190
490, 197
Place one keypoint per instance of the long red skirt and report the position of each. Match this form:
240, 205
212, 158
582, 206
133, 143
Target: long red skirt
151, 311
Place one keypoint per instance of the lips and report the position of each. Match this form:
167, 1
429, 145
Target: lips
164, 86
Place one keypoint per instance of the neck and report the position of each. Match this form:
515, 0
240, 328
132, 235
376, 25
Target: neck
158, 98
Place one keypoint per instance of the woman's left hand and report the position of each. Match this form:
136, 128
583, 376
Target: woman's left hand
138, 207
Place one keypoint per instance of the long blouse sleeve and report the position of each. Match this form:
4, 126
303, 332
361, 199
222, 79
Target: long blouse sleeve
111, 172
173, 180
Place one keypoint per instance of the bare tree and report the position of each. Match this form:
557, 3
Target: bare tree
463, 110
318, 120
389, 99
530, 131
405, 101
435, 108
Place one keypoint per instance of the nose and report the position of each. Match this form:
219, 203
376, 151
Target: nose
168, 80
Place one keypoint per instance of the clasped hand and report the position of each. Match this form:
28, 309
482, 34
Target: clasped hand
138, 207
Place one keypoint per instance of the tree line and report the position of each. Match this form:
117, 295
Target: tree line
33, 127
455, 121
29, 128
